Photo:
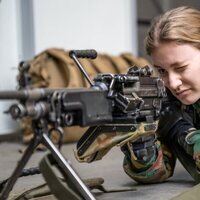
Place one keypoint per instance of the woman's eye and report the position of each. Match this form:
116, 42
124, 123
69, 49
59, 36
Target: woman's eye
162, 72
181, 68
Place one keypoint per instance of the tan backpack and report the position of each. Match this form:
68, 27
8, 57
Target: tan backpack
53, 68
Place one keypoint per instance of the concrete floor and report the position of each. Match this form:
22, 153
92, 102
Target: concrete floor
110, 168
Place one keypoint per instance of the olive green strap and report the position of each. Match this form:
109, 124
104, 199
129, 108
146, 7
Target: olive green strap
62, 190
33, 193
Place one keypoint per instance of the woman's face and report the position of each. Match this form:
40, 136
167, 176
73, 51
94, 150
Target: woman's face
179, 67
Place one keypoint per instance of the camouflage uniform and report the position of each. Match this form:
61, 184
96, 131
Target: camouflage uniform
186, 148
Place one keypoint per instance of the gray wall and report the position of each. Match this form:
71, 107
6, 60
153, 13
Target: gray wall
147, 9
9, 58
104, 25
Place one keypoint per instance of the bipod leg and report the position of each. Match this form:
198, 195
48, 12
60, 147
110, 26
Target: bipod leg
20, 166
66, 167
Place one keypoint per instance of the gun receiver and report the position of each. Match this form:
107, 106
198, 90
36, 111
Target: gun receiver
114, 102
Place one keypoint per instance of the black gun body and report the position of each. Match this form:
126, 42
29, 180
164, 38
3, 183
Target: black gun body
140, 101
129, 103
91, 106
81, 106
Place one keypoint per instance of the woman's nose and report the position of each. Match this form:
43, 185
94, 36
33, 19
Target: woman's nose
174, 81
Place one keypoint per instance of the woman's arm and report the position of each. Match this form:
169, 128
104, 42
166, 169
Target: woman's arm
158, 167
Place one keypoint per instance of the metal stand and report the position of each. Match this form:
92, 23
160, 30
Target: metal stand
41, 136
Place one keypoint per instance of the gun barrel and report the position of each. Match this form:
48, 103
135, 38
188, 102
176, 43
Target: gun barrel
25, 94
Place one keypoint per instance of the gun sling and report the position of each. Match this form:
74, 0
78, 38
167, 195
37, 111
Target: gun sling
62, 190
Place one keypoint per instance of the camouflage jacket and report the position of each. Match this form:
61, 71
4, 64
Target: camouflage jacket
163, 165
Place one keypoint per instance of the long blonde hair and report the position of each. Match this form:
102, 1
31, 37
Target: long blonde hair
181, 25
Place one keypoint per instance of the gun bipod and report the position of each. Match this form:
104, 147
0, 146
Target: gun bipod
41, 137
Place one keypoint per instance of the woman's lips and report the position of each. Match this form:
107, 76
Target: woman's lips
182, 93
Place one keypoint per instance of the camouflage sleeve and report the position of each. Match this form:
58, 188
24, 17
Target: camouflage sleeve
158, 169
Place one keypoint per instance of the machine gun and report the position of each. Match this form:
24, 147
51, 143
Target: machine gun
113, 102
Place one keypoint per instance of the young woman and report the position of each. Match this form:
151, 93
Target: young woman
173, 42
